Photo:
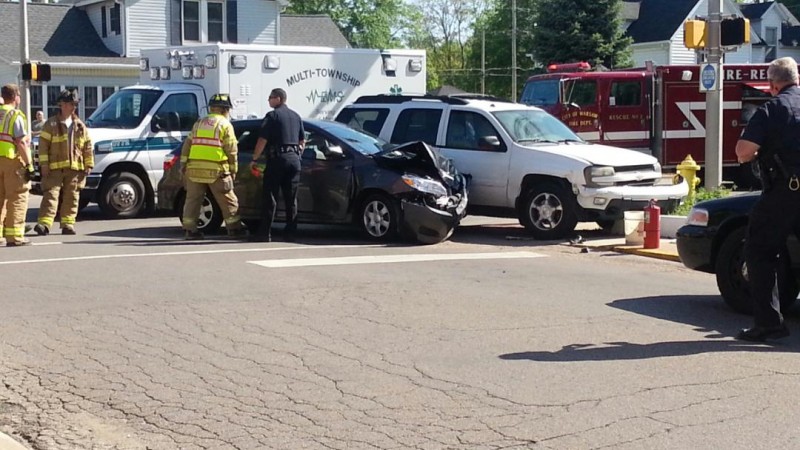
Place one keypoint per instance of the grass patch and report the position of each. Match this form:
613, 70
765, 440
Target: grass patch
699, 196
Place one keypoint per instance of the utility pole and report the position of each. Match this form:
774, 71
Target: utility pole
24, 59
713, 150
483, 61
513, 50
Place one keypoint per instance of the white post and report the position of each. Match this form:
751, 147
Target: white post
713, 150
24, 59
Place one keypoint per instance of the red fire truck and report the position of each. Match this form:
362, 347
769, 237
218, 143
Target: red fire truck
661, 110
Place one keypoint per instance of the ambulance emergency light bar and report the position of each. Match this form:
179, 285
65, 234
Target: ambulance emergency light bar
175, 63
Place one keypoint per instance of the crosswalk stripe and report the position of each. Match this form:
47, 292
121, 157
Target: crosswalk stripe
388, 259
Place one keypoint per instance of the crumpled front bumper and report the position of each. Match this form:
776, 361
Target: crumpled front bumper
430, 225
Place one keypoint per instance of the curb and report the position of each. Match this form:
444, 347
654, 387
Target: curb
652, 253
8, 443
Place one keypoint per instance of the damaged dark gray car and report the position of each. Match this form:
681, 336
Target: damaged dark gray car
347, 177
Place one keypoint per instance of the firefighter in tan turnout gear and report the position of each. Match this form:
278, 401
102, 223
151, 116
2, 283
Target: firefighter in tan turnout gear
66, 157
209, 162
15, 167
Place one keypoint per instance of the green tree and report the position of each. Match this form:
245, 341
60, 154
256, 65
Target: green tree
365, 23
494, 27
581, 30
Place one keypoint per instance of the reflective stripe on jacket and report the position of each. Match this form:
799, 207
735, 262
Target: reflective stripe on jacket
8, 117
54, 148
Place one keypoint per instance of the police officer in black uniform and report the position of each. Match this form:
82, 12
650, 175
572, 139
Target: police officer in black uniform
772, 138
283, 136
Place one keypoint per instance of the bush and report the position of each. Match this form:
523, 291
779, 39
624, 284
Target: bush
699, 196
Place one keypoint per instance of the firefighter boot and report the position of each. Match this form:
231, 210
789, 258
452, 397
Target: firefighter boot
41, 230
68, 229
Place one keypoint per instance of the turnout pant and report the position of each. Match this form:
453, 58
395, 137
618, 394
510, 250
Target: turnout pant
13, 199
68, 182
773, 217
282, 174
222, 190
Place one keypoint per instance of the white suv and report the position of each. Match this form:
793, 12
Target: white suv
524, 162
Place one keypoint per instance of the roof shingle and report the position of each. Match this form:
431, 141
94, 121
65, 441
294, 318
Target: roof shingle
659, 19
311, 30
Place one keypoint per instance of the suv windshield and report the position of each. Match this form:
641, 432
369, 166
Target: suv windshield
529, 125
125, 109
361, 142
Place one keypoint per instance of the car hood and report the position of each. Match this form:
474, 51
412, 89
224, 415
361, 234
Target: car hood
598, 155
420, 159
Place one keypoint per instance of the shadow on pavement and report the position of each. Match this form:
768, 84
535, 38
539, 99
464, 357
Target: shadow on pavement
707, 313
170, 236
514, 236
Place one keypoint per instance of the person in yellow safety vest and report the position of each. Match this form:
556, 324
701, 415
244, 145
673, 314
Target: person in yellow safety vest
66, 156
209, 163
16, 167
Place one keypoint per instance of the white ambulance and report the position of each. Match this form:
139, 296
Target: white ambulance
137, 126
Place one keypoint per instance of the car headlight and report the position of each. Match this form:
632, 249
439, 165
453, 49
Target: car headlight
593, 172
657, 168
425, 185
697, 217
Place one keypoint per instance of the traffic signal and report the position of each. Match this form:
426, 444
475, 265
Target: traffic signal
735, 31
694, 33
35, 72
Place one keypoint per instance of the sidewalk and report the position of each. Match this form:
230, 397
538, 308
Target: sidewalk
667, 250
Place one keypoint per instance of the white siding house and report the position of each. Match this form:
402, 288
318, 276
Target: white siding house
93, 46
777, 28
657, 32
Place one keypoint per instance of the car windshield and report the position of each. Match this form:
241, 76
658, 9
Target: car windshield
125, 109
530, 125
361, 142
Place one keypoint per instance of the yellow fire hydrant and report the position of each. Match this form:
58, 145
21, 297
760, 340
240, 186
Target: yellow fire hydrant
688, 170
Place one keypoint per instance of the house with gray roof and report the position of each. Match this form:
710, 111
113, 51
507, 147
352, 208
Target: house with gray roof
94, 45
777, 28
657, 31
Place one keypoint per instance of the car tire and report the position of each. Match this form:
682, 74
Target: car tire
210, 219
732, 282
378, 218
122, 196
547, 211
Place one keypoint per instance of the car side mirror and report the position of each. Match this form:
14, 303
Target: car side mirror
489, 143
157, 124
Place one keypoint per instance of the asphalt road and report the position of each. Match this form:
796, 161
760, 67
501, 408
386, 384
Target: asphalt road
126, 337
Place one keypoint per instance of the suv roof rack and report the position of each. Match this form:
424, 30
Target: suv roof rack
455, 99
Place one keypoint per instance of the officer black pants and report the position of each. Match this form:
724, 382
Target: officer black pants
282, 174
773, 217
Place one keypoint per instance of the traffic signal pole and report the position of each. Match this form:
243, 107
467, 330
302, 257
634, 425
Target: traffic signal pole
24, 59
713, 149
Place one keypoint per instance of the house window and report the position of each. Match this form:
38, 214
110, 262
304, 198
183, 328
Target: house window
107, 91
115, 19
52, 100
104, 21
89, 100
216, 22
771, 39
37, 100
191, 21
204, 20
